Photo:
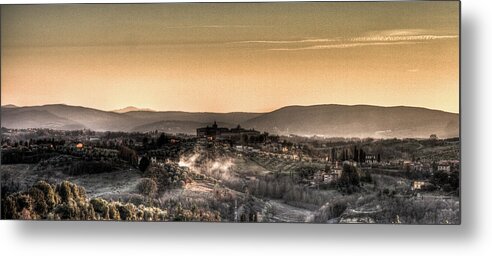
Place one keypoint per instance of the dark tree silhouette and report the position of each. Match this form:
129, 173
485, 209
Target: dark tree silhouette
144, 164
349, 180
162, 140
356, 154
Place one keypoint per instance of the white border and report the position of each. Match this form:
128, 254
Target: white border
473, 237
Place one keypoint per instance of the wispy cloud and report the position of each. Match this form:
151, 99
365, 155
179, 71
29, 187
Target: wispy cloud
402, 32
316, 40
401, 35
213, 26
341, 46
373, 38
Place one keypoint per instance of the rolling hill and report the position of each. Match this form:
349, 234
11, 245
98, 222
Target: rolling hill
64, 115
22, 119
60, 116
322, 120
357, 121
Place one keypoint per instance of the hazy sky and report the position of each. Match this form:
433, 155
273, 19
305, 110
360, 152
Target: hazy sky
231, 57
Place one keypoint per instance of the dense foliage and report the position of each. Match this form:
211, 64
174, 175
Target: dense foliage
168, 176
67, 201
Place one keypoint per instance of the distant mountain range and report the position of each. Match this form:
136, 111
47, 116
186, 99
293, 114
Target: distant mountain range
322, 120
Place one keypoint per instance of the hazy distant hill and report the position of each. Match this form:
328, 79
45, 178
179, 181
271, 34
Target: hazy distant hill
130, 109
324, 120
174, 126
22, 118
61, 116
10, 106
358, 121
201, 117
65, 115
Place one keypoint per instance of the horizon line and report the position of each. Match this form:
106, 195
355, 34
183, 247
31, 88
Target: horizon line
147, 109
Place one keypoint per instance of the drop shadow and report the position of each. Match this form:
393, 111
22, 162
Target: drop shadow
213, 232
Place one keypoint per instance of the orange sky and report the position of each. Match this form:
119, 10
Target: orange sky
231, 57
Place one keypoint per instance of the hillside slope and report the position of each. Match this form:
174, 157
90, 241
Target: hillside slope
357, 121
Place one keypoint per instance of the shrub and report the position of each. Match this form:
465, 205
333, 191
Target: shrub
100, 207
67, 210
24, 202
126, 211
65, 191
147, 187
148, 215
113, 212
39, 201
68, 190
51, 198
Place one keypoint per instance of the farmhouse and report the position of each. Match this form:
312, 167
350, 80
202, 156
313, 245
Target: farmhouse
418, 184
